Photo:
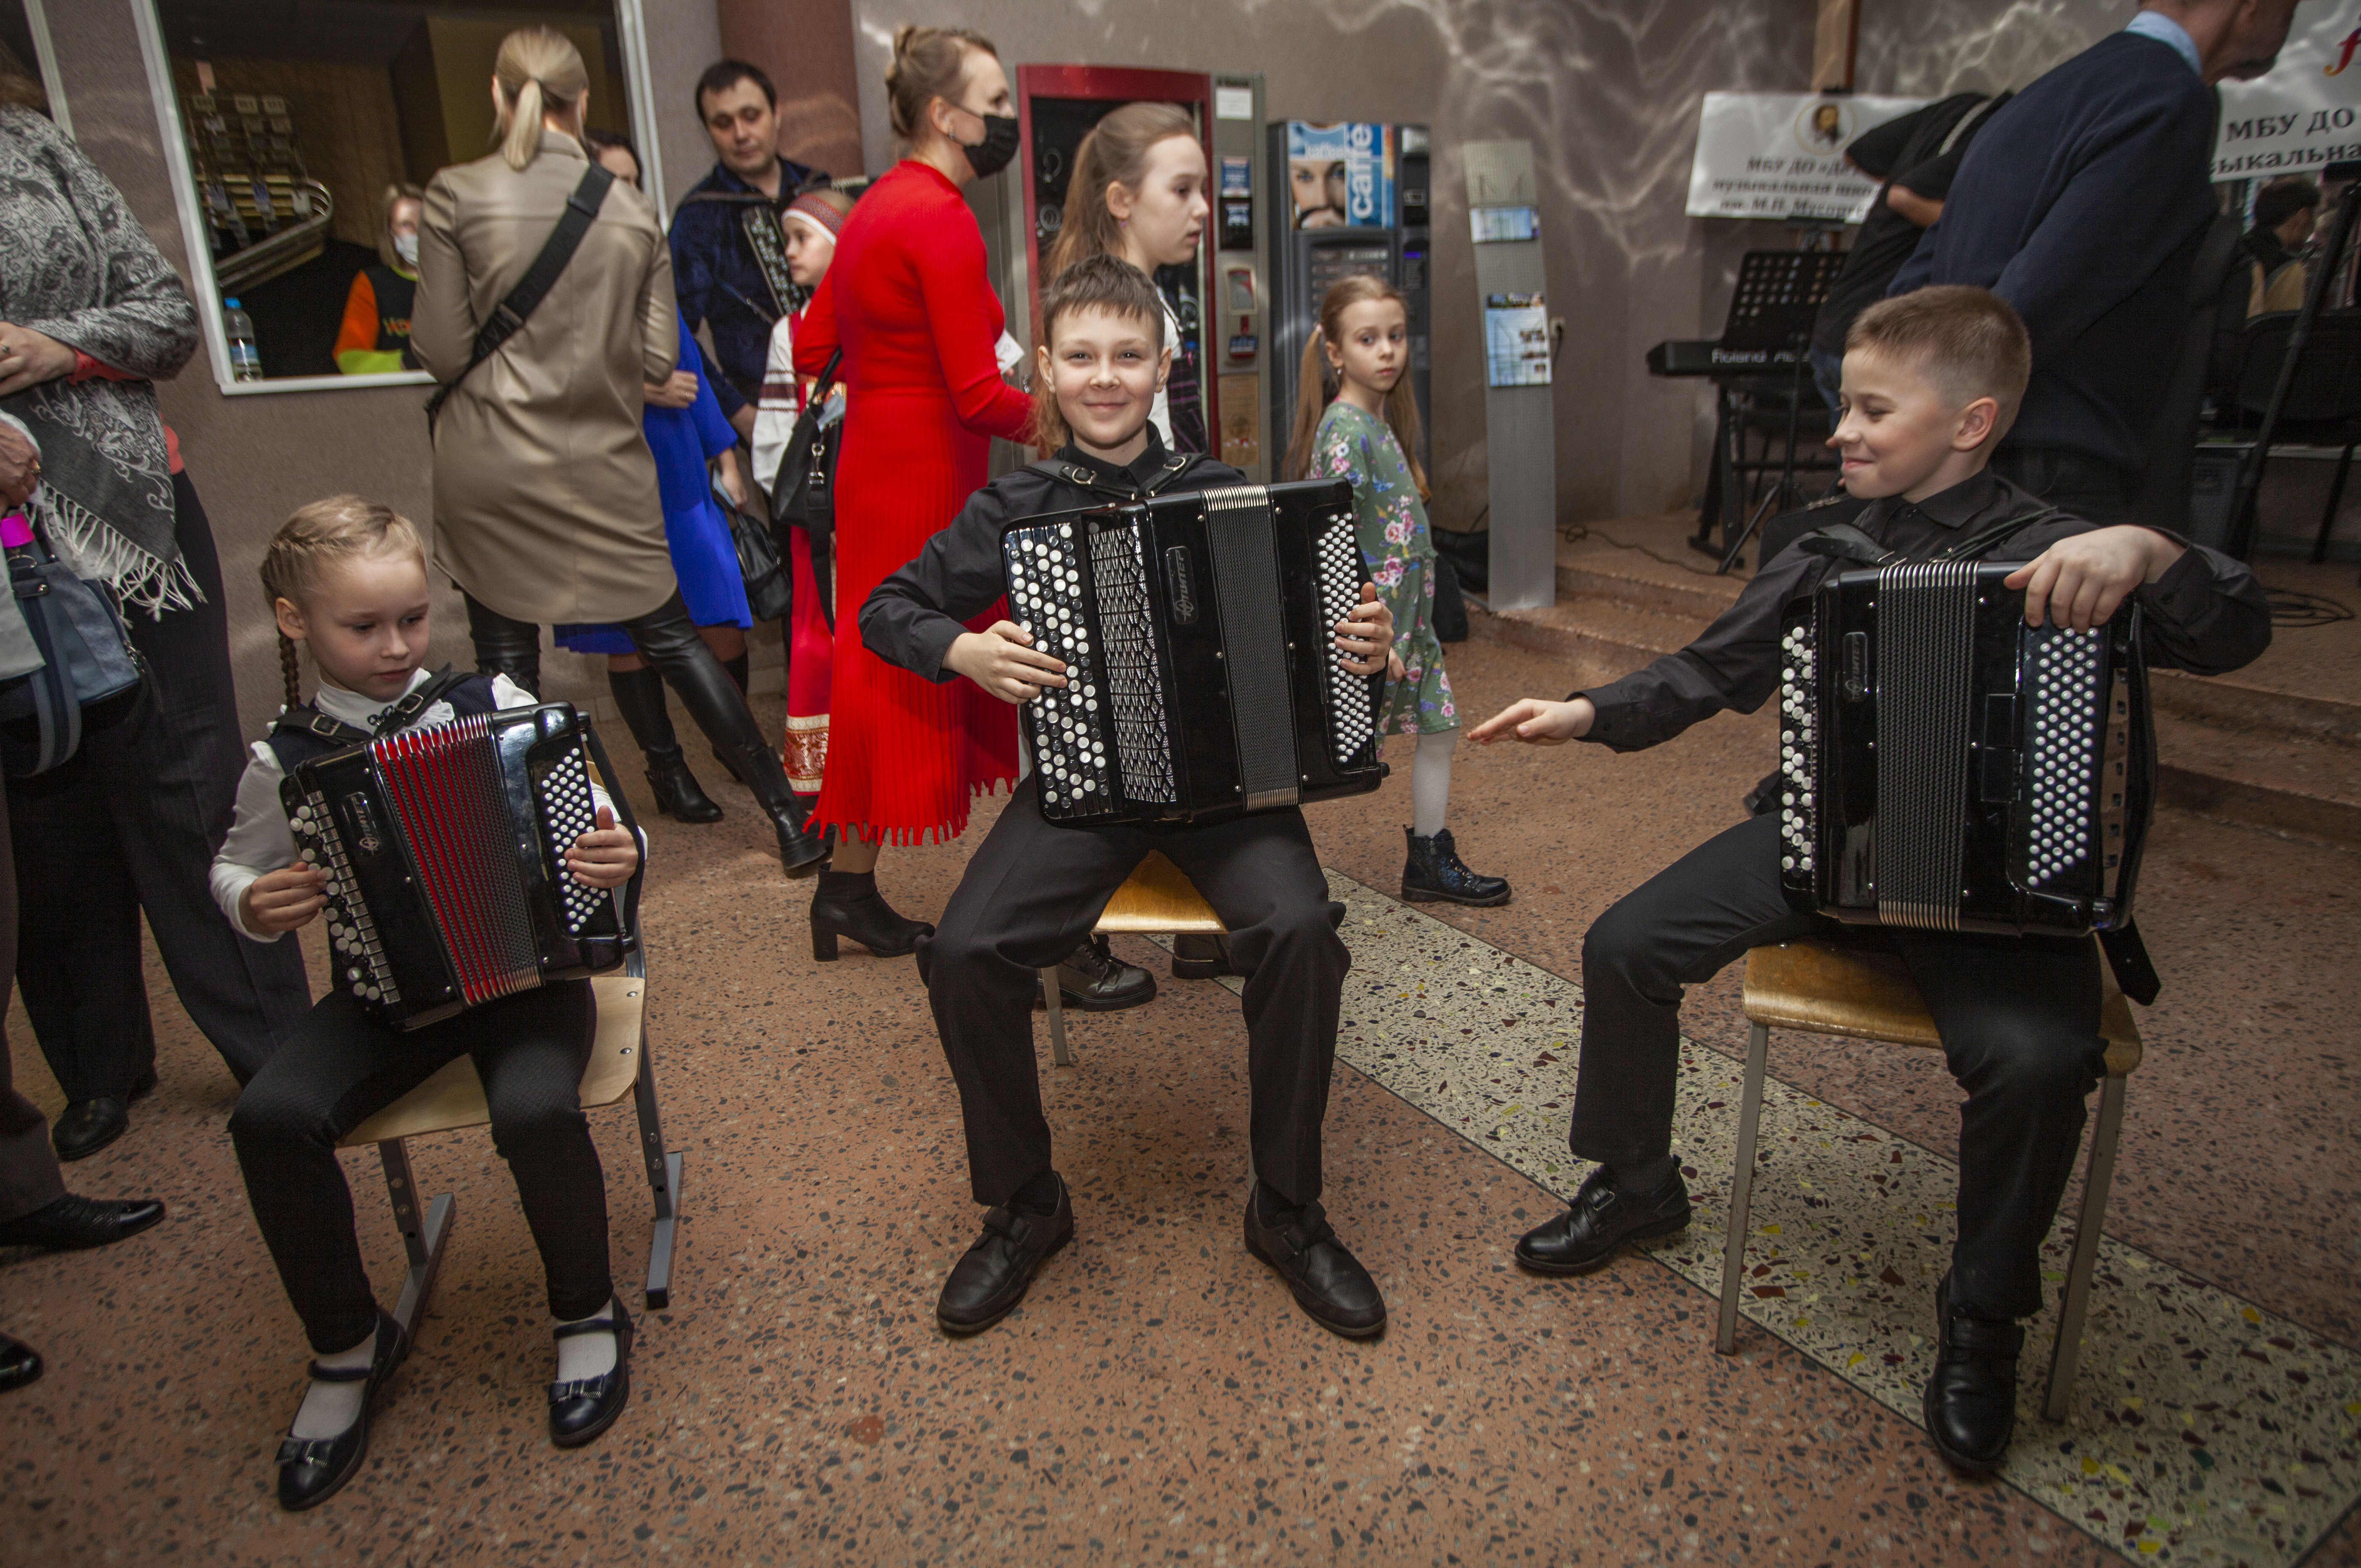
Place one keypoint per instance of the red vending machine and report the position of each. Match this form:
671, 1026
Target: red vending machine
1056, 106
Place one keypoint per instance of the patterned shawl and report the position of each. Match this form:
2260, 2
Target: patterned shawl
75, 265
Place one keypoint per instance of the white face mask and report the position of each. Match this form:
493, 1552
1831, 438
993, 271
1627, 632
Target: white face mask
405, 245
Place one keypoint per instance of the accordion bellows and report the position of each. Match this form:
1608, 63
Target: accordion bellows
444, 853
1198, 632
1946, 767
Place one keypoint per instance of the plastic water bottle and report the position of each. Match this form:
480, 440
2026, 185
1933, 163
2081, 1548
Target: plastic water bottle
244, 359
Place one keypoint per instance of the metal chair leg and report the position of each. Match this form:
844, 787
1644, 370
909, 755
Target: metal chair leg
423, 1233
662, 1169
1057, 1052
1741, 1189
2066, 1357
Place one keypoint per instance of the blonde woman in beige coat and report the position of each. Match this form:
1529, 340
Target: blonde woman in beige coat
545, 504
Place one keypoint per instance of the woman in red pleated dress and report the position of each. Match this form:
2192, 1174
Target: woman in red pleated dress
908, 299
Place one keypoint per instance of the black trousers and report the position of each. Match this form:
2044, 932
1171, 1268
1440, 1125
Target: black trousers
2019, 1019
2081, 484
1030, 898
530, 1050
131, 824
30, 1177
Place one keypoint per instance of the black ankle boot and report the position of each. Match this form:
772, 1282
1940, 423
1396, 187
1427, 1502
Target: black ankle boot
671, 643
847, 904
1970, 1401
1435, 874
639, 698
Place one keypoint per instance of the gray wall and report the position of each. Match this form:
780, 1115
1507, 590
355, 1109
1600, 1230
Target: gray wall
1606, 93
1927, 50
256, 458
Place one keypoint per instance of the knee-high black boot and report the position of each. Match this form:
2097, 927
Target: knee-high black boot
505, 647
668, 640
737, 670
640, 696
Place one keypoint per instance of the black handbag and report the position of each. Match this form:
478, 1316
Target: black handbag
802, 492
770, 592
90, 676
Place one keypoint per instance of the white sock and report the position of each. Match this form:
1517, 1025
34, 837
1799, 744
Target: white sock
586, 1355
331, 1408
1430, 782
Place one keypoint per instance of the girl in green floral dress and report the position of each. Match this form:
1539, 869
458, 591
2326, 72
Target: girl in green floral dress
1366, 434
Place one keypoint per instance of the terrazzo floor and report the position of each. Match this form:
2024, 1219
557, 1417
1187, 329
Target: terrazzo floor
1157, 1397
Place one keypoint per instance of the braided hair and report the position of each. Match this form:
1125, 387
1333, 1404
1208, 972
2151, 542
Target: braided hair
315, 536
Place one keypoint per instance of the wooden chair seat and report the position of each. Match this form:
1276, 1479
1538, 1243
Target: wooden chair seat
1155, 899
1824, 988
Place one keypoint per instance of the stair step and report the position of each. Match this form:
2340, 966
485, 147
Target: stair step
1629, 578
1599, 638
2296, 787
2229, 703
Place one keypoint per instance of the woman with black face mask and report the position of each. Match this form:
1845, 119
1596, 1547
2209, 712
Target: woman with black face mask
907, 301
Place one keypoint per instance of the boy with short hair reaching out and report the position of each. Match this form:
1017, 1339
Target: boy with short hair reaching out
1930, 382
1034, 890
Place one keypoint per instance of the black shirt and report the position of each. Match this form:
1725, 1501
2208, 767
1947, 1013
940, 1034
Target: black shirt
916, 615
2206, 614
1919, 152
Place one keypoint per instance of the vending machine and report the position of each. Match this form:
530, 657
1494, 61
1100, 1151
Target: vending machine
1353, 198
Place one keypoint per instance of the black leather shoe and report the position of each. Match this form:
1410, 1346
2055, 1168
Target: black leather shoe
847, 904
19, 1364
75, 1222
993, 1276
678, 795
1329, 1282
312, 1469
1602, 1218
1201, 956
1433, 874
87, 1126
1970, 1401
581, 1409
1095, 980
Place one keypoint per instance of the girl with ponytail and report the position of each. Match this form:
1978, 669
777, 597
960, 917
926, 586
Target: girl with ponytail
1356, 419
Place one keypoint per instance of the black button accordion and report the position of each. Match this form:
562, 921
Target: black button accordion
443, 849
1198, 631
1945, 766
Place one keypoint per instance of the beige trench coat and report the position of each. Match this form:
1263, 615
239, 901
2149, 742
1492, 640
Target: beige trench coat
545, 505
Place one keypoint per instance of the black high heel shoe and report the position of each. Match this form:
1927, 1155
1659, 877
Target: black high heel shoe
580, 1409
313, 1469
847, 904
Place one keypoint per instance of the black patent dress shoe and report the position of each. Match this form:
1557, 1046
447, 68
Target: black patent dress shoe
1093, 979
87, 1126
313, 1469
847, 904
1601, 1218
678, 795
1329, 1282
1433, 874
582, 1409
74, 1221
19, 1364
1971, 1400
991, 1277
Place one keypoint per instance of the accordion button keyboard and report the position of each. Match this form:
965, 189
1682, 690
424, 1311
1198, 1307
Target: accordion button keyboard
1353, 724
1045, 591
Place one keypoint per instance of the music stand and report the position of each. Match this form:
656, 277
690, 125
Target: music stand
1772, 314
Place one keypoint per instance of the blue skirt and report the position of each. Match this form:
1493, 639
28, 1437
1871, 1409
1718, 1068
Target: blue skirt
705, 561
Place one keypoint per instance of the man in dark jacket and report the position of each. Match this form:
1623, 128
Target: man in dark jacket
2083, 203
728, 222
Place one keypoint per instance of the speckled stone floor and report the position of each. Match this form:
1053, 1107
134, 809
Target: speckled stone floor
1157, 1397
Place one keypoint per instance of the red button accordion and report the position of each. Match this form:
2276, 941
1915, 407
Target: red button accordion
444, 850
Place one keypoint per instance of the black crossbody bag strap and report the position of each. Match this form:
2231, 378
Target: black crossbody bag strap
509, 315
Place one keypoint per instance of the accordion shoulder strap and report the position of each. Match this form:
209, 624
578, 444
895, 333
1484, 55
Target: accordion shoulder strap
1975, 547
1083, 478
306, 719
1846, 542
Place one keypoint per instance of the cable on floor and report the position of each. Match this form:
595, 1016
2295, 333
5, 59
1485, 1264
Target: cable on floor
2292, 608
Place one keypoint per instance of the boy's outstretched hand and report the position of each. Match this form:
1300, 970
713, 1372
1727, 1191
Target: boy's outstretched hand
1367, 640
1537, 721
284, 899
1003, 661
604, 857
2080, 582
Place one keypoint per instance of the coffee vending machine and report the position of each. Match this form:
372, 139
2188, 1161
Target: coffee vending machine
1219, 297
1351, 197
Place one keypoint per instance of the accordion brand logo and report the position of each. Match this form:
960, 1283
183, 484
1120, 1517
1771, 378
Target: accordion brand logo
1177, 583
364, 834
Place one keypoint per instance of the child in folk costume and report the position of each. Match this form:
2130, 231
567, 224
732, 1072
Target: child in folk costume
346, 579
811, 224
1034, 890
1368, 434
